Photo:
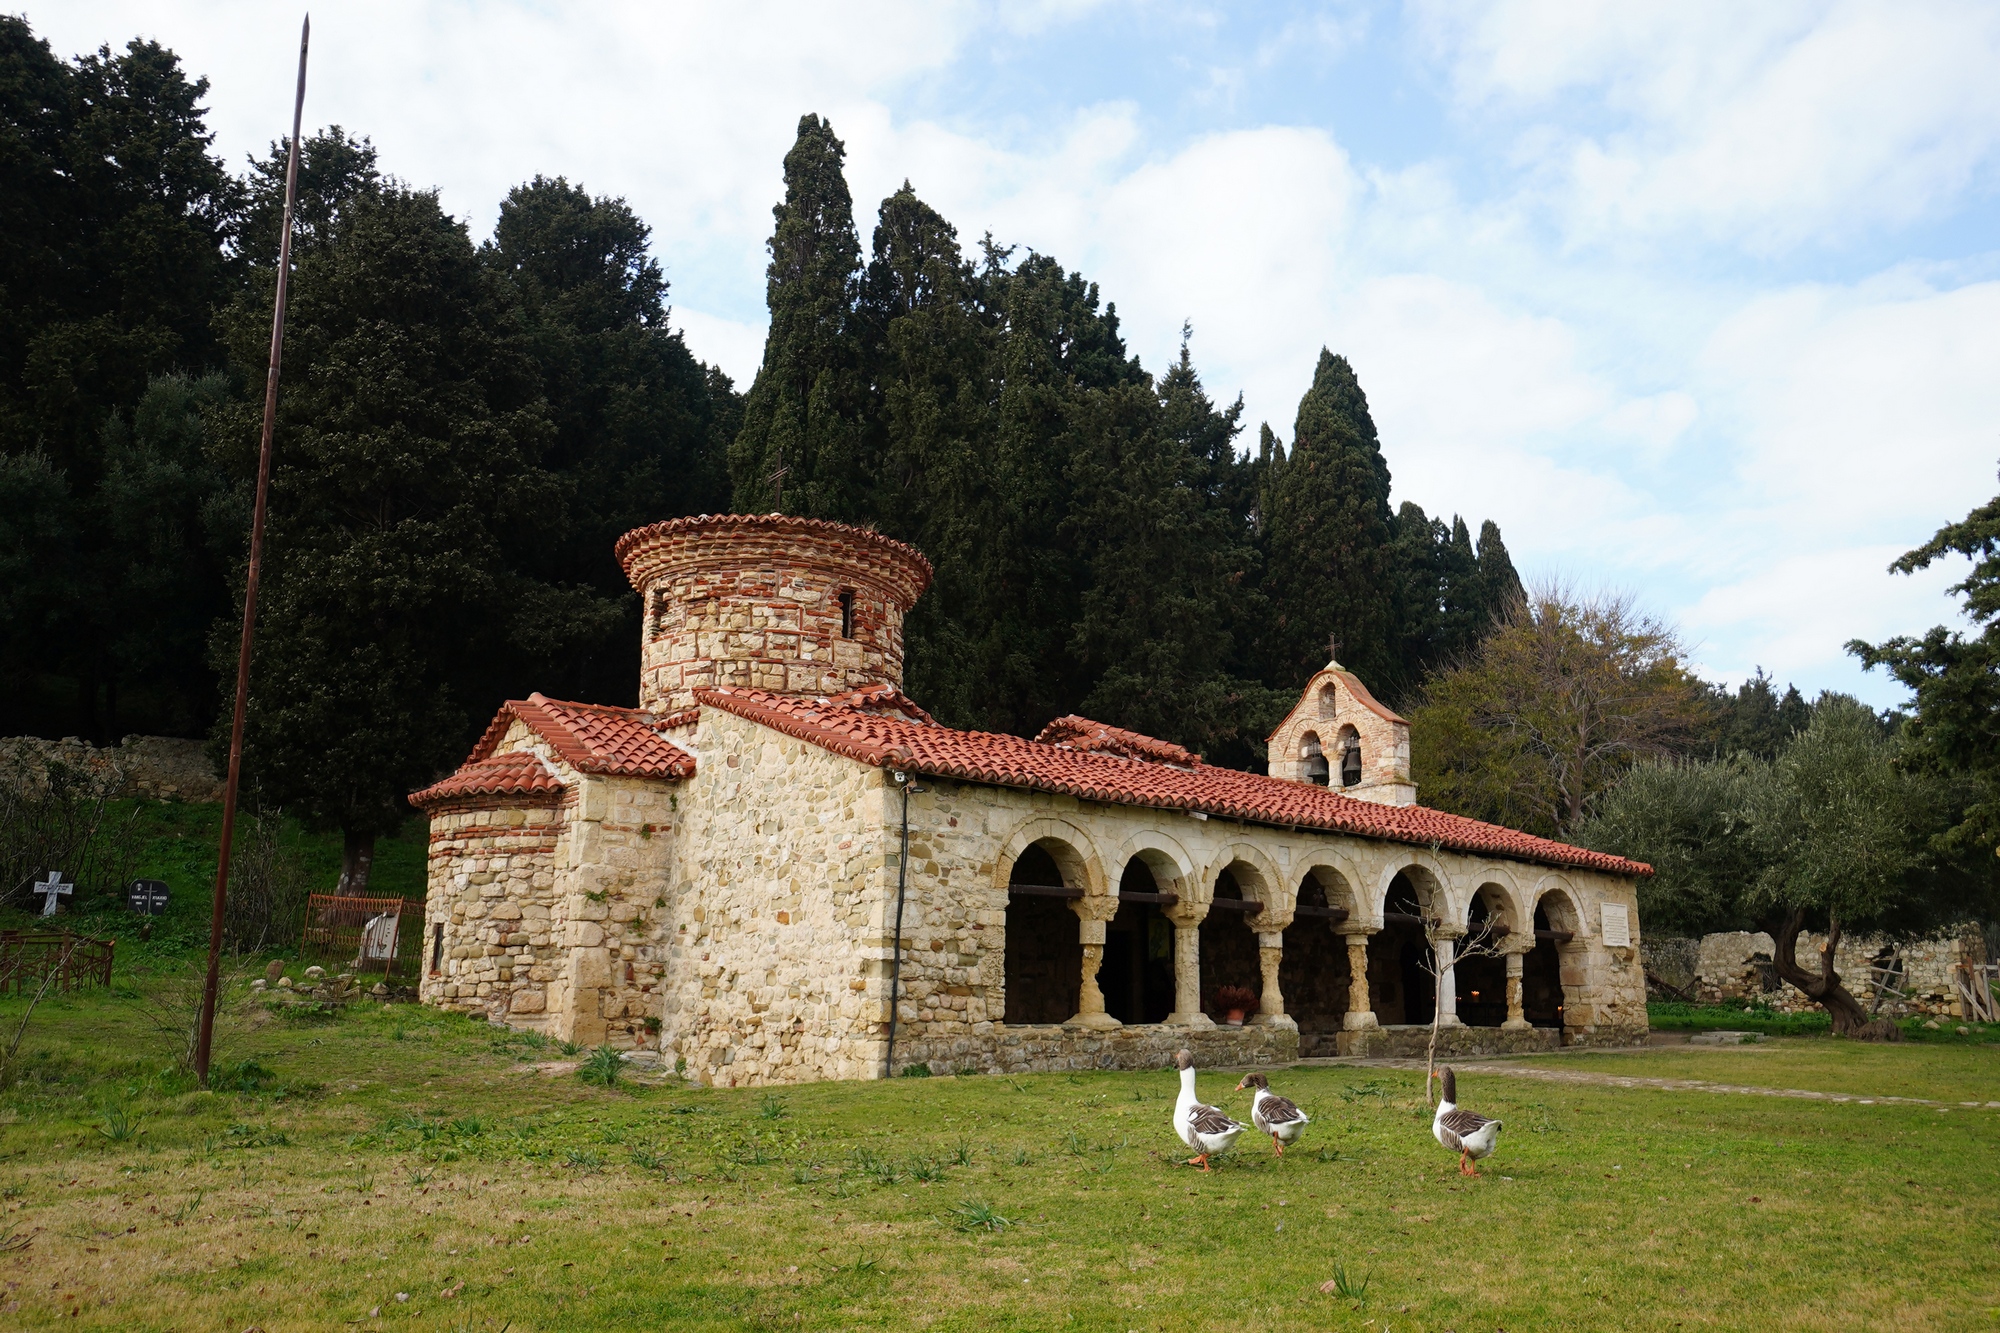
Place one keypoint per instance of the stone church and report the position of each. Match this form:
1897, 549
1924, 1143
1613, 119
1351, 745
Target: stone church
780, 868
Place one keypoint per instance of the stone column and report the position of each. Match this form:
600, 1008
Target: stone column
1360, 1014
1271, 1004
1447, 982
1187, 970
1516, 1019
1090, 928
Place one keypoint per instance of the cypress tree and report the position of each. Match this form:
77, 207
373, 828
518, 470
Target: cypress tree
802, 419
1504, 594
1329, 567
1465, 616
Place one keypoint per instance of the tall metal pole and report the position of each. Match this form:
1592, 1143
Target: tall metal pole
205, 1042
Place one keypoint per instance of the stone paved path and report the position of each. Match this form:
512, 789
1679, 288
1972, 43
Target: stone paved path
1582, 1076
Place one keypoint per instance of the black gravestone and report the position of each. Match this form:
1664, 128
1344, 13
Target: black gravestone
147, 897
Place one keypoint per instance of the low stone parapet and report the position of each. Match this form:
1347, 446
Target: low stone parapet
1400, 1042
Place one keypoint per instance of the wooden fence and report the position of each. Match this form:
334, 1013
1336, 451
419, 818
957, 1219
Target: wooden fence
27, 959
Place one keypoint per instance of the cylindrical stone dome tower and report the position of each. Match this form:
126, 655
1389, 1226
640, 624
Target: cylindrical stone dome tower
768, 601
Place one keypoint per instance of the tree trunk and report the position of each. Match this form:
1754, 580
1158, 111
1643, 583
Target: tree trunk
1823, 989
357, 858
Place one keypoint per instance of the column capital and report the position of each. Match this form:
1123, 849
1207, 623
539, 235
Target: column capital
1095, 906
1352, 926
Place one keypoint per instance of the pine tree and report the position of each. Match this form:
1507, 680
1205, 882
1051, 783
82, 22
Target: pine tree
801, 444
1329, 568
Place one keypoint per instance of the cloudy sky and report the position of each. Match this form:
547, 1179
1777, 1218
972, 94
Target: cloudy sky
1700, 301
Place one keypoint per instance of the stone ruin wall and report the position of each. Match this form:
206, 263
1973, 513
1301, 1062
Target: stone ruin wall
613, 885
777, 957
1734, 967
552, 912
160, 768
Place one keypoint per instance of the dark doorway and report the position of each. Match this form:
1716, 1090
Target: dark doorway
1228, 949
1044, 949
1541, 979
1398, 973
1137, 977
1482, 980
1314, 974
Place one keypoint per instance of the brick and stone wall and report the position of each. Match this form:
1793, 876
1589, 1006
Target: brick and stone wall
757, 601
777, 952
552, 912
1734, 967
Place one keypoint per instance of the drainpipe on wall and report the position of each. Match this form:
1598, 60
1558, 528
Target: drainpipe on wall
896, 963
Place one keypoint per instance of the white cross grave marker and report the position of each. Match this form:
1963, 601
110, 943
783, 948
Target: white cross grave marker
51, 889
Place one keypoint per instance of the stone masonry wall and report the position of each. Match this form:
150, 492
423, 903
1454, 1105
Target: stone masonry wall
614, 883
553, 915
776, 960
489, 910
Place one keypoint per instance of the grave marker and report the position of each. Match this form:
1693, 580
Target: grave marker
52, 889
147, 897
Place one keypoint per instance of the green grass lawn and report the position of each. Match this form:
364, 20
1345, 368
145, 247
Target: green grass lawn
1958, 1072
399, 1153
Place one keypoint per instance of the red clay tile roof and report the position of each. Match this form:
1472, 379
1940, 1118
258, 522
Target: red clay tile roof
882, 700
518, 775
1081, 733
595, 738
1011, 761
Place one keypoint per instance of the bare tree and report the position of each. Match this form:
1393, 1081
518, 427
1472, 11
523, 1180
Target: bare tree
57, 817
1483, 942
1553, 708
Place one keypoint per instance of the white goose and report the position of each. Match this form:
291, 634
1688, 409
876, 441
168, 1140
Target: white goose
1274, 1115
1466, 1133
1203, 1128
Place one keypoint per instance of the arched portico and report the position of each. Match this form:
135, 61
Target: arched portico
1247, 909
1049, 872
1552, 970
1316, 972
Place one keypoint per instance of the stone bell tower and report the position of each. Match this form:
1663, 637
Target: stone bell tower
769, 602
1338, 736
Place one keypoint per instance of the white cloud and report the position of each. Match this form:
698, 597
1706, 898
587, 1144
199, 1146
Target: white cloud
1770, 125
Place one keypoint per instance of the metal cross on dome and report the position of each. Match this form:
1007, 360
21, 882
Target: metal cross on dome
51, 889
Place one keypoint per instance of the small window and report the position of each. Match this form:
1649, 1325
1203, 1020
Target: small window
847, 615
437, 947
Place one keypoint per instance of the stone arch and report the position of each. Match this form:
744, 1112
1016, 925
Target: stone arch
1137, 976
1347, 763
1496, 889
1257, 876
1314, 972
1073, 850
1338, 881
1480, 968
1229, 942
1042, 945
1551, 971
1433, 884
1169, 862
1315, 766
